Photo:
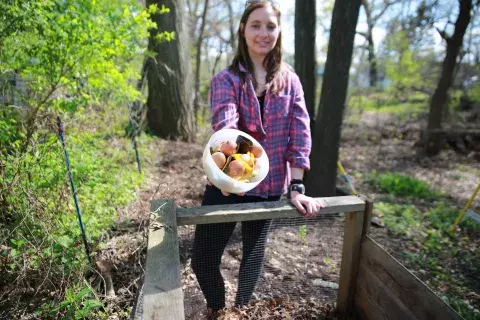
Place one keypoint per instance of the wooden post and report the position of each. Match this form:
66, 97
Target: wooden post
163, 295
350, 260
367, 218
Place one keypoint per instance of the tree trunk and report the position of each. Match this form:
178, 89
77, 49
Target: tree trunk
321, 178
372, 60
305, 57
196, 101
439, 98
233, 42
170, 110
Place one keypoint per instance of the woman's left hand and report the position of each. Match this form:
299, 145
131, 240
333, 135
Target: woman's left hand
307, 206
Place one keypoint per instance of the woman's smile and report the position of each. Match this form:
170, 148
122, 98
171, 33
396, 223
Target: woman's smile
263, 43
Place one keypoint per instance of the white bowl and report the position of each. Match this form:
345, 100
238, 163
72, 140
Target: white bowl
220, 179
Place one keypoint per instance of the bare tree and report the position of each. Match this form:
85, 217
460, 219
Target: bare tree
211, 29
373, 13
439, 98
321, 178
305, 60
196, 102
231, 26
193, 17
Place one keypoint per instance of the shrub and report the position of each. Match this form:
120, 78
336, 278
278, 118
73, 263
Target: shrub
41, 242
403, 185
400, 219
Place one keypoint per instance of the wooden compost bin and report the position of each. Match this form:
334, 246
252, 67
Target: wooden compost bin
373, 285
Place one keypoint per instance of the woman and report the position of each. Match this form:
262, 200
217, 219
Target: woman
260, 95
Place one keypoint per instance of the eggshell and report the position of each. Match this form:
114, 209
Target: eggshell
219, 159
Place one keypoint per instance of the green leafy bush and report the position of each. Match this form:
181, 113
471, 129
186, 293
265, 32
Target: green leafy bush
10, 134
444, 215
39, 224
401, 220
80, 60
385, 102
474, 92
403, 185
41, 205
78, 303
463, 307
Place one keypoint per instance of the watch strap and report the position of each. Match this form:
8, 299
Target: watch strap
296, 181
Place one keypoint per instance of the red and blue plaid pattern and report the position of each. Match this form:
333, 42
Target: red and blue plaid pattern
284, 133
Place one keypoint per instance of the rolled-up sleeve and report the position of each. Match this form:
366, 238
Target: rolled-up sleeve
300, 140
223, 103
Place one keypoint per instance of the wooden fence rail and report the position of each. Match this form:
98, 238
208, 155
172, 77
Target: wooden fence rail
262, 210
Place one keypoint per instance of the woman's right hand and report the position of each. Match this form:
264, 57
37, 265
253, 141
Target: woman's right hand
226, 194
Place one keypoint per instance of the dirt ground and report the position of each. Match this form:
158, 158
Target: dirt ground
301, 267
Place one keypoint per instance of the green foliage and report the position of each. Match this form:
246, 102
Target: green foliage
408, 69
79, 59
80, 49
165, 36
386, 102
41, 206
39, 222
302, 233
443, 216
78, 303
403, 185
474, 92
400, 219
405, 70
203, 119
394, 107
11, 135
431, 249
463, 307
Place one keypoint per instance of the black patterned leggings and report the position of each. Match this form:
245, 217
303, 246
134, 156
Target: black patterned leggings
210, 242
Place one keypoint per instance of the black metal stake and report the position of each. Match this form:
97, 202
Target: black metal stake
72, 186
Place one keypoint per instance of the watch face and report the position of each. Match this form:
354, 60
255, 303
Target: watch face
298, 187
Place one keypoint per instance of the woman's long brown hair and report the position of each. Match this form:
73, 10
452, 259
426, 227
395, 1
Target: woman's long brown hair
273, 60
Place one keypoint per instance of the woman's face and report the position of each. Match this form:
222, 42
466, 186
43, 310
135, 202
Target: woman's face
261, 31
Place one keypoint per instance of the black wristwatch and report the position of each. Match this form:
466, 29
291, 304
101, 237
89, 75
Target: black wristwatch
296, 185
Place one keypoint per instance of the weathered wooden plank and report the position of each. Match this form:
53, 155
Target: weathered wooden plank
350, 260
410, 291
367, 218
163, 295
366, 308
390, 306
262, 210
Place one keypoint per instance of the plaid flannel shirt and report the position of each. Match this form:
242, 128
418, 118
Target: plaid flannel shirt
284, 133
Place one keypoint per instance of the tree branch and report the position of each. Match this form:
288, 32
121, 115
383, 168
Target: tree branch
443, 34
363, 34
385, 8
